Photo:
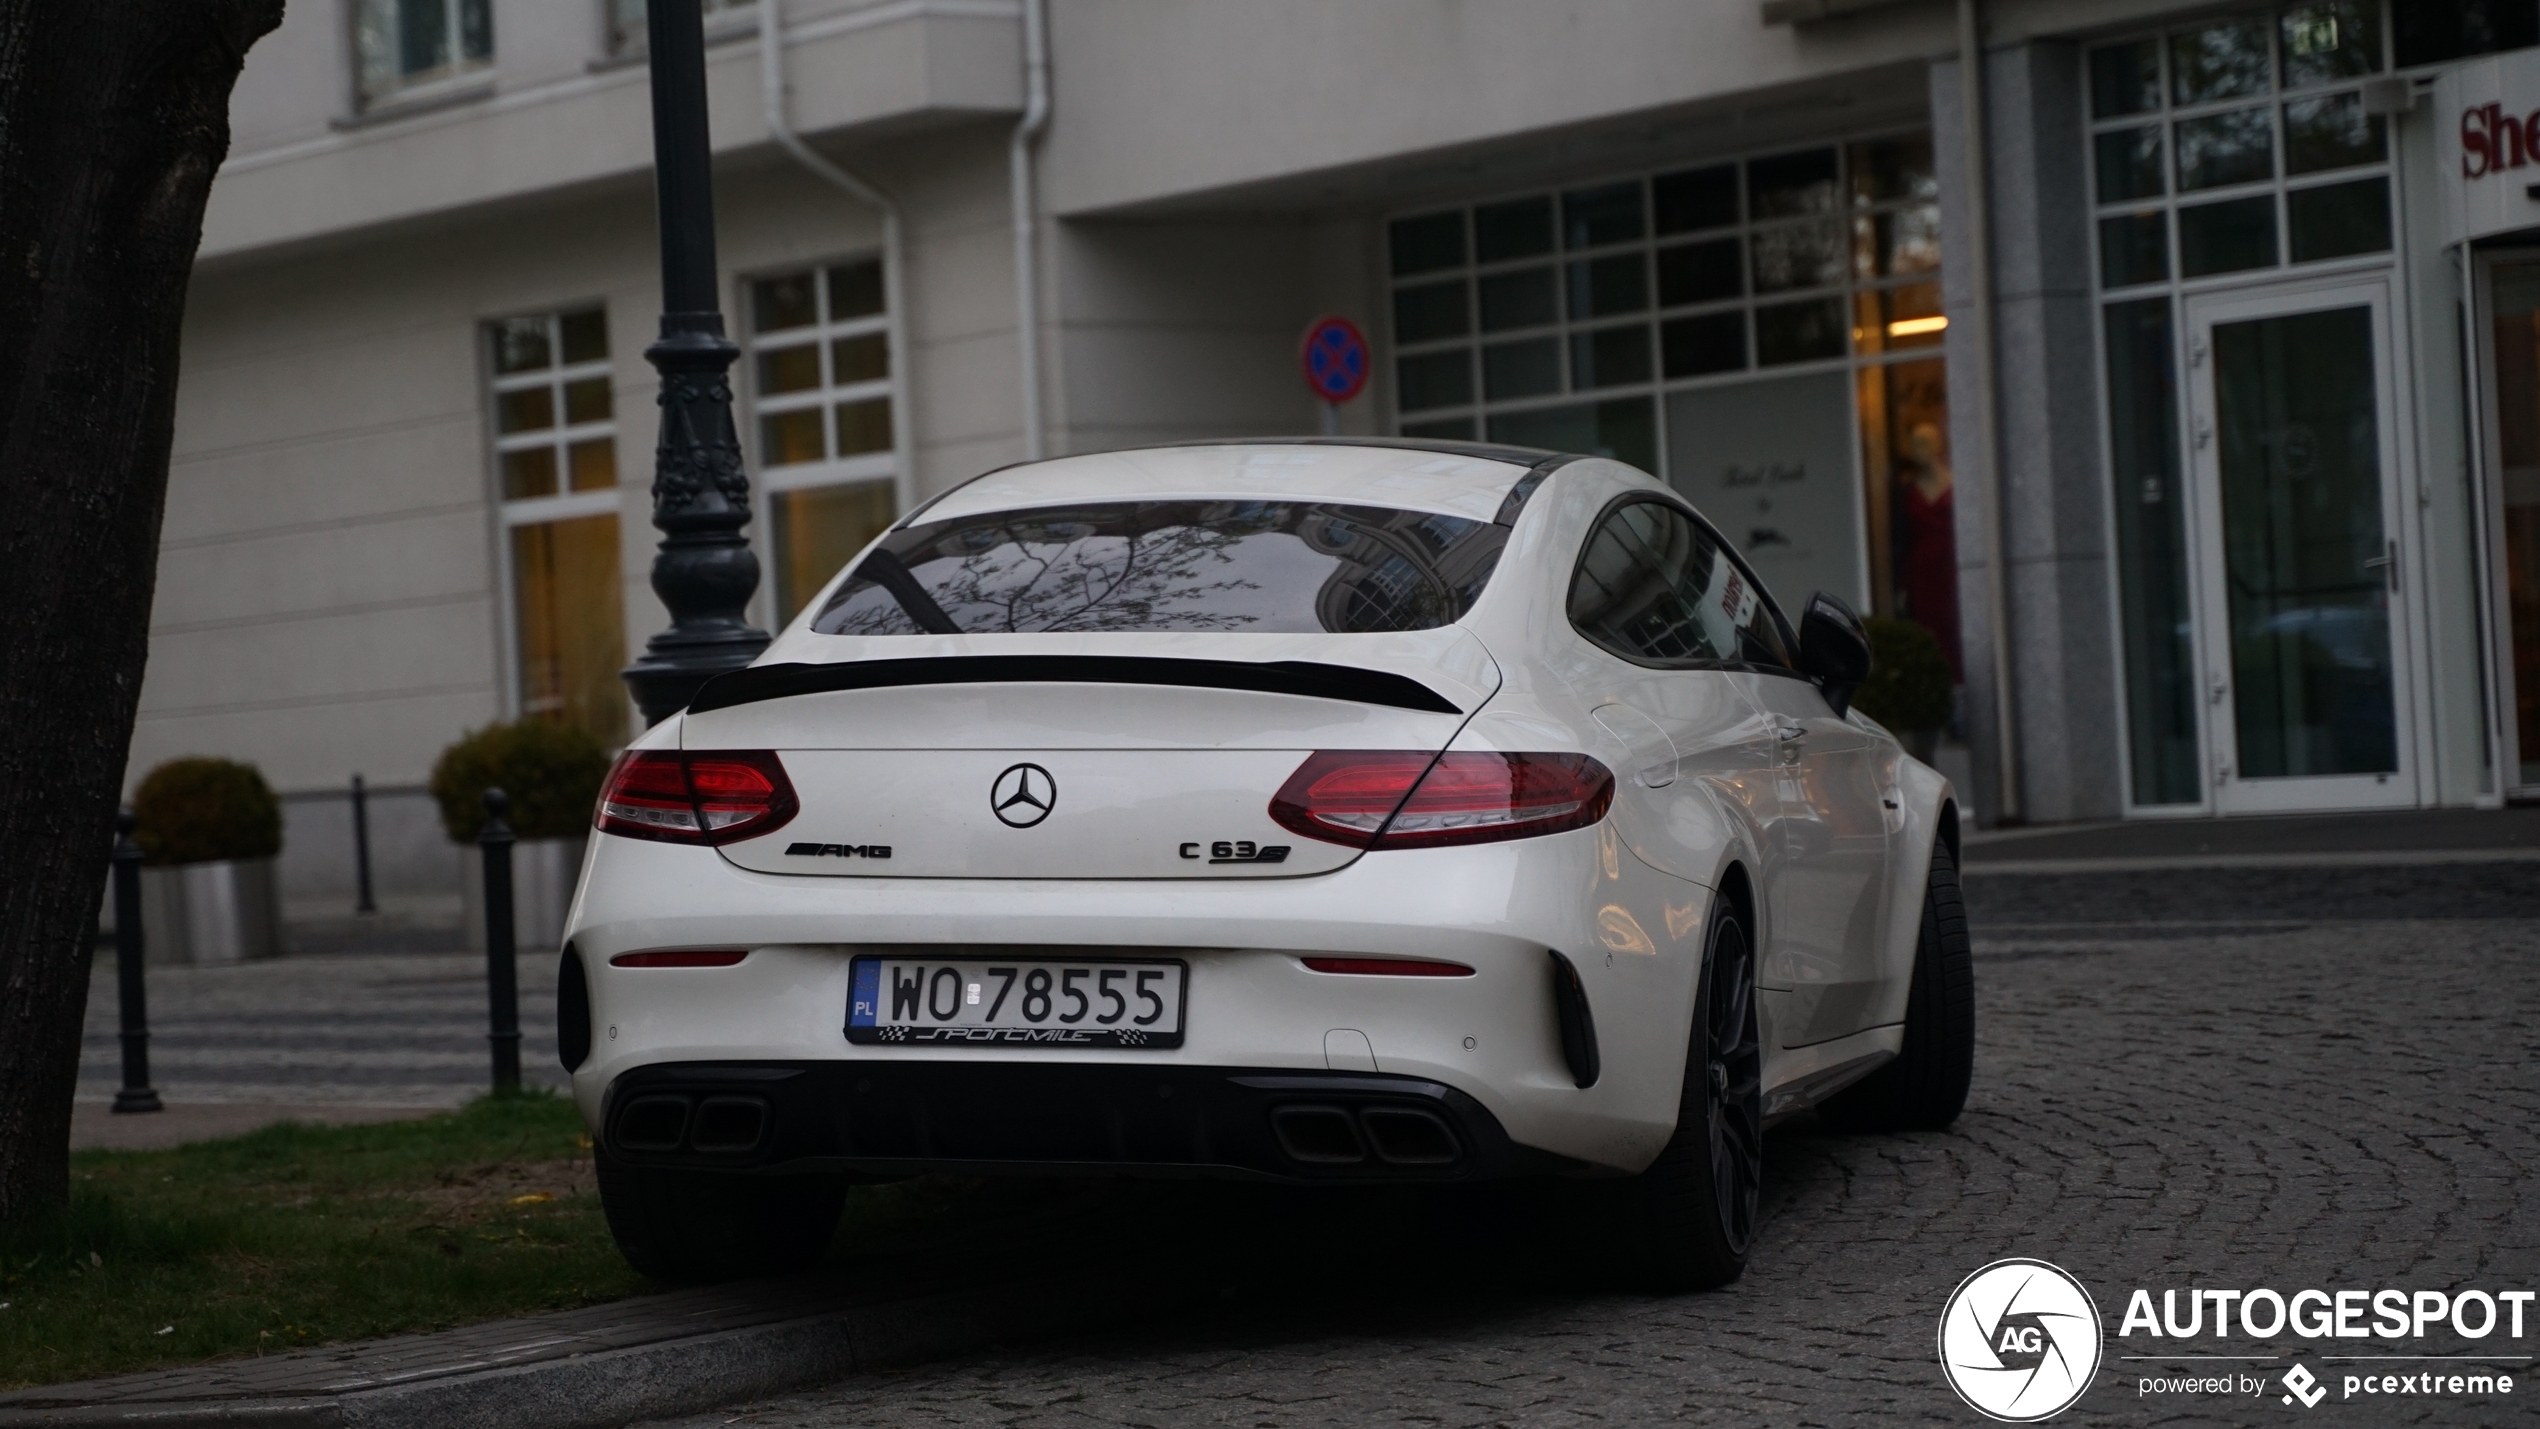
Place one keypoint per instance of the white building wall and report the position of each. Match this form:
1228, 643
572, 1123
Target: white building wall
1216, 175
558, 110
330, 593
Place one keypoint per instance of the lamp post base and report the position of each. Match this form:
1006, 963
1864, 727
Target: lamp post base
678, 661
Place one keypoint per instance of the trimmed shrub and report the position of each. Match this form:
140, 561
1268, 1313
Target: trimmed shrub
551, 772
204, 810
1908, 688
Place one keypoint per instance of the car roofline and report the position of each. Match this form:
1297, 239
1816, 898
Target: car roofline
1538, 462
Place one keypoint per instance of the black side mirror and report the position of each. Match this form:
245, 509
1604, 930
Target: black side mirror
1834, 650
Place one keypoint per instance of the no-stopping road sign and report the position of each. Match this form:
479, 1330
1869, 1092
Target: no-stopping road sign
1335, 359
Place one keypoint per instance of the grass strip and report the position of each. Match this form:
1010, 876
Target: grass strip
297, 1235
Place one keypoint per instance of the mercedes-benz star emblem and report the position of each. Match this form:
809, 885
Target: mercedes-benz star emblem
1023, 795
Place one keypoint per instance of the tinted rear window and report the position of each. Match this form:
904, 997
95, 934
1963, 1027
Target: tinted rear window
1261, 566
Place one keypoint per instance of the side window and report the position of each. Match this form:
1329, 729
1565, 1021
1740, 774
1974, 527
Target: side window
1654, 587
1763, 636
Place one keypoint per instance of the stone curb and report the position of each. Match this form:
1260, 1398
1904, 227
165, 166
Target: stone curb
606, 1388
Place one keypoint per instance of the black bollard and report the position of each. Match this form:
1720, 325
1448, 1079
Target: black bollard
502, 972
136, 1094
361, 847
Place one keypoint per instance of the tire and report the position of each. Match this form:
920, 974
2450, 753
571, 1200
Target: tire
713, 1225
1691, 1215
1925, 1088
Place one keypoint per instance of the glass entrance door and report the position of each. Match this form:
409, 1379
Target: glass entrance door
2513, 493
2302, 584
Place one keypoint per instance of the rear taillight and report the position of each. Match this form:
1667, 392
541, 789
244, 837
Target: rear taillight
696, 797
1381, 798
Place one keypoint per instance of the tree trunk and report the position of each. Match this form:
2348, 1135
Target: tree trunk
114, 115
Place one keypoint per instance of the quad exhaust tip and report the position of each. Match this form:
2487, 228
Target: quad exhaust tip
713, 1126
1394, 1135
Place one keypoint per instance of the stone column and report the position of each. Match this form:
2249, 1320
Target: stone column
2066, 695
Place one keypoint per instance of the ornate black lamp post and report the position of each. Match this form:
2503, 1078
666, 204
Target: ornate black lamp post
705, 571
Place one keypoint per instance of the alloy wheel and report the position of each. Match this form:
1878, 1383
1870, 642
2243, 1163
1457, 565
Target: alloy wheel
1734, 1085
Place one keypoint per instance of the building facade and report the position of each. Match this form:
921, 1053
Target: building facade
2256, 399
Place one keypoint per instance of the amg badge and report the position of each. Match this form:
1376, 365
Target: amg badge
1238, 851
811, 850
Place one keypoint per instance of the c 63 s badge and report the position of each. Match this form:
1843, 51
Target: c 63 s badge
812, 850
1238, 851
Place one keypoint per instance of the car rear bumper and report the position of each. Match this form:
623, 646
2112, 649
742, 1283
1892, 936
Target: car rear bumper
899, 1118
1632, 934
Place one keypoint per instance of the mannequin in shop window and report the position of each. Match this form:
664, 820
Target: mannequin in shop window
1927, 548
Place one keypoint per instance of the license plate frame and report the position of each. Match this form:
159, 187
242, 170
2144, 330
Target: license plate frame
864, 1000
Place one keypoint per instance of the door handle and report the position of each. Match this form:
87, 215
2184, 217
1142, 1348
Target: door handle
2387, 563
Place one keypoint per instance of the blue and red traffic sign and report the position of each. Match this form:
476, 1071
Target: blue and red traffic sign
1335, 359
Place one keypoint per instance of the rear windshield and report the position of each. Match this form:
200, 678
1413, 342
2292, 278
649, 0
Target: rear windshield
1263, 566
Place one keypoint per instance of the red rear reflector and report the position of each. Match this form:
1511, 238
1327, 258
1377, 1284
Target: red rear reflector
1392, 798
1388, 967
696, 797
687, 958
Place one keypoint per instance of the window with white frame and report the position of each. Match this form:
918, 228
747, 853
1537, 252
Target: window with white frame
1719, 326
2224, 151
1547, 319
820, 368
626, 19
2239, 144
405, 46
555, 448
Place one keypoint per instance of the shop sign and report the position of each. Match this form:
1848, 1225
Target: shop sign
2487, 137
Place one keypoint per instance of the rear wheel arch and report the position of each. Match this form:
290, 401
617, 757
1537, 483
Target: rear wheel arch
1737, 891
1733, 894
1689, 1216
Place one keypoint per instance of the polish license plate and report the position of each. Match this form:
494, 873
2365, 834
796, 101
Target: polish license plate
1016, 1002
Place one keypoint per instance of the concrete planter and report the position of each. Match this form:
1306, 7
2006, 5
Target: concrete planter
224, 912
544, 872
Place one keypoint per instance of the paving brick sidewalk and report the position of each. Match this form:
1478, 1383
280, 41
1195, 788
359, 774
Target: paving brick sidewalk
379, 1030
2242, 1103
2244, 1100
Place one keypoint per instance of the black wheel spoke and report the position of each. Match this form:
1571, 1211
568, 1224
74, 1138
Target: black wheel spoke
1744, 1138
1732, 1077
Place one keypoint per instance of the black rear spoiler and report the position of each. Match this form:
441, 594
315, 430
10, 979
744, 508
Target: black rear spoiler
1278, 677
1539, 463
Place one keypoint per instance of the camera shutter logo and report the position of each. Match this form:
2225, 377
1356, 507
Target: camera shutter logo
1023, 795
2020, 1341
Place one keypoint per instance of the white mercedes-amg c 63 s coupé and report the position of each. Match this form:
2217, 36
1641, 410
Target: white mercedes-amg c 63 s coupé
1306, 811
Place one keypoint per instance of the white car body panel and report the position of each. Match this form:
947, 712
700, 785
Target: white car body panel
1832, 841
1110, 808
1494, 907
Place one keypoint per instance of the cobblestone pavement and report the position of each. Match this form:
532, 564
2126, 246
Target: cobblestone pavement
400, 1029
2259, 1103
